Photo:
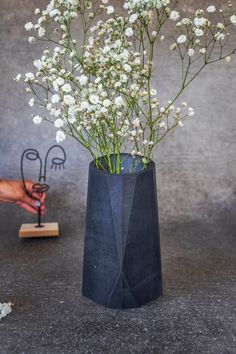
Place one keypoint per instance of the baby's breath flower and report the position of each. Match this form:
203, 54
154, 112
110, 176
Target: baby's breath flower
31, 102
55, 99
5, 309
129, 32
31, 40
228, 59
191, 52
202, 51
41, 31
211, 9
173, 46
153, 92
219, 36
233, 19
200, 21
181, 39
69, 100
37, 120
66, 88
60, 136
174, 15
133, 18
191, 111
186, 21
110, 10
29, 77
119, 101
18, 77
29, 26
199, 32
59, 123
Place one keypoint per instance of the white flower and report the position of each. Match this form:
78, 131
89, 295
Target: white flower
191, 52
55, 99
29, 77
200, 21
66, 88
202, 51
153, 92
38, 64
133, 18
181, 39
58, 82
127, 68
186, 21
83, 80
199, 32
29, 26
94, 99
59, 123
60, 136
219, 36
37, 11
233, 19
180, 124
165, 2
123, 78
119, 101
106, 103
105, 1
110, 10
174, 15
191, 112
5, 309
37, 120
84, 105
136, 123
18, 77
228, 59
129, 32
211, 9
31, 102
162, 125
41, 31
173, 46
54, 12
69, 100
220, 25
31, 40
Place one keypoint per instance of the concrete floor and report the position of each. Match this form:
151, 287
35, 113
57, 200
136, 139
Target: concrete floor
196, 172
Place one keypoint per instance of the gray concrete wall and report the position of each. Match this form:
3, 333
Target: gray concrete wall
196, 167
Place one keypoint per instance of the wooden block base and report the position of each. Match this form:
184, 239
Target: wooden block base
50, 229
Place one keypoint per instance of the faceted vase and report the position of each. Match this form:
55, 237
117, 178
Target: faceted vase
122, 262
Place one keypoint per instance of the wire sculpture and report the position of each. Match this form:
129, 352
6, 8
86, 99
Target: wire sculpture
57, 163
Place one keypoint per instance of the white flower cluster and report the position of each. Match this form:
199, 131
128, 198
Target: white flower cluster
199, 32
5, 309
101, 92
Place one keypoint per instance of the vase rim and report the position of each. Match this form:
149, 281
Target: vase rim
150, 165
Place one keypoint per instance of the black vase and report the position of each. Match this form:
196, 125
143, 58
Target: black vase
122, 263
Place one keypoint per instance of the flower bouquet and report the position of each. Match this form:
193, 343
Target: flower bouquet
98, 89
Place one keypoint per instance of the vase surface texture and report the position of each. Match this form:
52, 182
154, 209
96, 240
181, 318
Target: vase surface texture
122, 262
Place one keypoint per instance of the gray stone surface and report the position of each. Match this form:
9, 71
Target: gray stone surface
196, 172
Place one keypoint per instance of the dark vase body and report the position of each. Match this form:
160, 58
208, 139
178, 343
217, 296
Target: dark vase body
122, 263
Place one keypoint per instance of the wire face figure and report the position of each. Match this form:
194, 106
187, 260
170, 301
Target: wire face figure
57, 163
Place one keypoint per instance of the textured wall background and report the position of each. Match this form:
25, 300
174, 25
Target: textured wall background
196, 172
196, 167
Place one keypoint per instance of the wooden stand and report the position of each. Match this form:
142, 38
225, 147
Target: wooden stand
50, 229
